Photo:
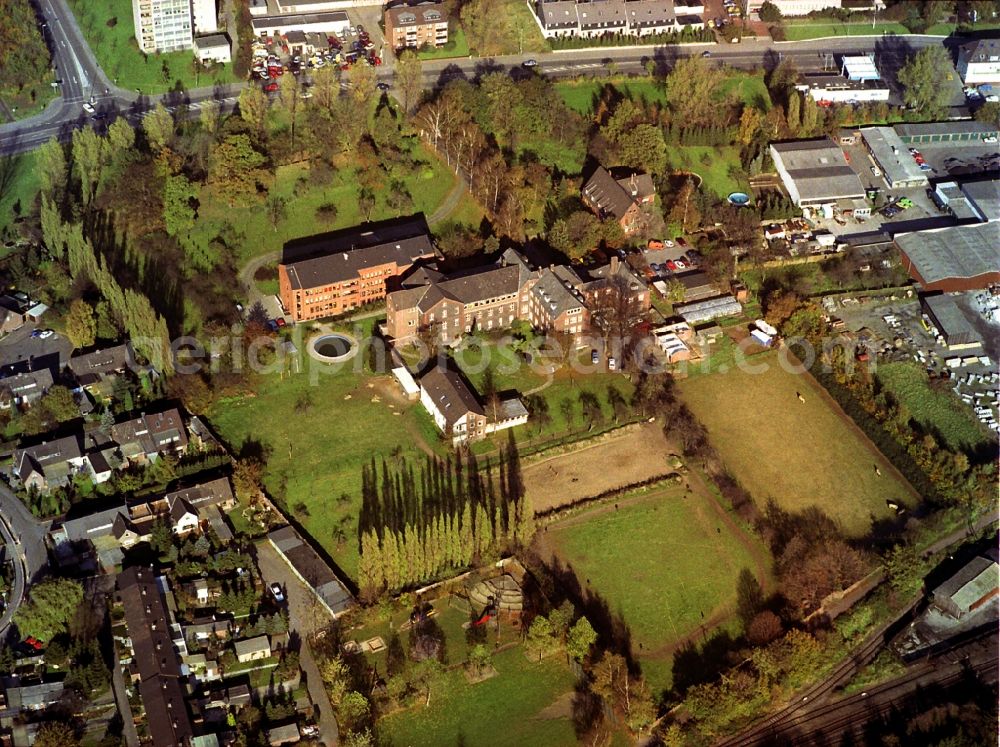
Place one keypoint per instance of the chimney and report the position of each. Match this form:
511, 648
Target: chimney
614, 264
632, 184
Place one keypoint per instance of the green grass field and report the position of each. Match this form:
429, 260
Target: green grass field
800, 454
580, 95
718, 167
940, 411
748, 87
659, 561
809, 29
107, 27
18, 186
507, 709
457, 45
317, 441
31, 99
428, 186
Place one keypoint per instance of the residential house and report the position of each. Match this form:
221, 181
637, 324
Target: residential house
453, 405
595, 18
49, 464
331, 275
25, 389
621, 199
204, 629
252, 649
979, 62
183, 518
416, 26
11, 314
201, 667
31, 696
145, 438
287, 734
157, 667
97, 370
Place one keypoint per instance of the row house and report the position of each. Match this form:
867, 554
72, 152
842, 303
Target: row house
322, 278
595, 18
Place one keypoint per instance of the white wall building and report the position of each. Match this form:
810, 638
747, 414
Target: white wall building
213, 48
796, 7
162, 25
979, 62
599, 17
324, 23
205, 16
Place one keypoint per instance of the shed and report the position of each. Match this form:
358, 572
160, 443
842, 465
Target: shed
252, 649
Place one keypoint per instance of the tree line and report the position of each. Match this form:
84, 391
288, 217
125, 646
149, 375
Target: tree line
416, 523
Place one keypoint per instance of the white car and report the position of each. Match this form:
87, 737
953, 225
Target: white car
279, 597
88, 107
46, 334
530, 63
990, 139
875, 171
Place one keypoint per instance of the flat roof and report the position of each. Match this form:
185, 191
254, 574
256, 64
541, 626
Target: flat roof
892, 155
943, 128
291, 19
819, 169
861, 68
953, 252
946, 311
985, 196
212, 41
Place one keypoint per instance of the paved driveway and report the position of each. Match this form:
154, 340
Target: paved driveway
19, 350
305, 615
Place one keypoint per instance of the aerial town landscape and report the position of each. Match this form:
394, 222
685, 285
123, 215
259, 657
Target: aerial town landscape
499, 372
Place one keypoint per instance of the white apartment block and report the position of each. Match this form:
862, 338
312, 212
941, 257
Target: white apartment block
599, 17
162, 25
205, 16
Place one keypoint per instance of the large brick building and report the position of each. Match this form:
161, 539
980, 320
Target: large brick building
339, 272
556, 298
416, 26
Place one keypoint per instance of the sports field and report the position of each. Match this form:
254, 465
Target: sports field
666, 561
801, 453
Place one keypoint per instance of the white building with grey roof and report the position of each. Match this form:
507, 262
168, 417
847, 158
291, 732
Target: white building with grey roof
815, 172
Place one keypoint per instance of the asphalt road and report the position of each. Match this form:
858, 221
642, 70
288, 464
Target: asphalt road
25, 538
82, 77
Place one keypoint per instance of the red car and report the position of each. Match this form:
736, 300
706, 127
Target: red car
280, 321
671, 265
34, 643
375, 60
271, 87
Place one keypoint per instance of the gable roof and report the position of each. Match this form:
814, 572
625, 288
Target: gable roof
48, 457
252, 645
31, 383
103, 361
450, 394
607, 194
149, 434
417, 15
210, 493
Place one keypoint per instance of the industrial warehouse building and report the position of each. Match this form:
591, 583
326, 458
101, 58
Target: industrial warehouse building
953, 325
953, 259
945, 132
899, 169
815, 172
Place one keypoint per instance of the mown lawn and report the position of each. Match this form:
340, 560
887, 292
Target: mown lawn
937, 411
31, 99
748, 87
507, 709
719, 167
581, 95
316, 435
108, 29
800, 454
457, 45
18, 186
808, 29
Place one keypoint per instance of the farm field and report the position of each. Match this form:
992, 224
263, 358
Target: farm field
619, 458
940, 411
800, 454
317, 438
666, 560
107, 27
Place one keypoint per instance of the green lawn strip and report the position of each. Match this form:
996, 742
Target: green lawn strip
457, 45
682, 563
108, 29
712, 164
527, 37
505, 709
32, 99
762, 432
428, 185
580, 95
799, 30
18, 187
937, 410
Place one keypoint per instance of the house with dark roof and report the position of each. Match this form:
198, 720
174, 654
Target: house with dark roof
979, 62
327, 276
453, 405
97, 370
815, 172
315, 572
50, 464
143, 439
24, 695
619, 198
157, 666
25, 389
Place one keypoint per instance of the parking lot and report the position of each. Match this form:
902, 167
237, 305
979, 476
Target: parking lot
19, 349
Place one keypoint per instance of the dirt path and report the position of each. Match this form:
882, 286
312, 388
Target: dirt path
451, 200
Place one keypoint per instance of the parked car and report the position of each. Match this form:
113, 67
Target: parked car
594, 356
530, 63
612, 364
276, 592
46, 334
